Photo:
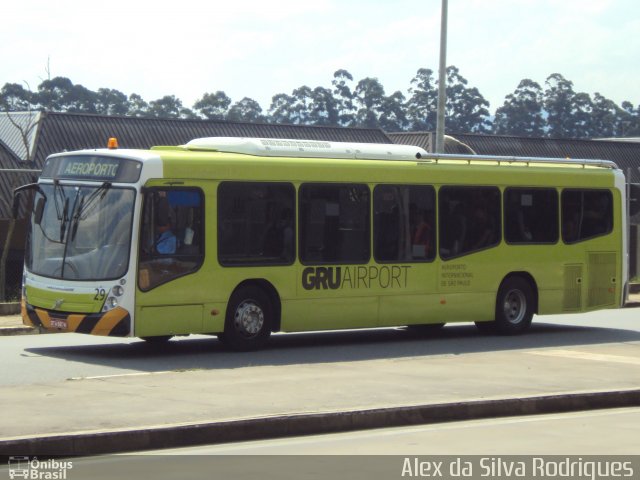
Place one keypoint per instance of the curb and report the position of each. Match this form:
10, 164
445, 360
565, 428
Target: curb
6, 331
174, 436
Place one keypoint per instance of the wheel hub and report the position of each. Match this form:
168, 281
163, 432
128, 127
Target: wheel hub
249, 319
515, 306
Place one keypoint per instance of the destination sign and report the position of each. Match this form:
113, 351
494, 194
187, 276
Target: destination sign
92, 167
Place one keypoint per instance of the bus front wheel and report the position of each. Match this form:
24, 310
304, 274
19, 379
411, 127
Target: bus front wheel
248, 319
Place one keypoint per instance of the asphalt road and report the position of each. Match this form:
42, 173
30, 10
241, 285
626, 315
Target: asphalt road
83, 395
32, 359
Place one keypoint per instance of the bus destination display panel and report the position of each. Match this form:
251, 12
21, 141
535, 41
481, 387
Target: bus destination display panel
92, 167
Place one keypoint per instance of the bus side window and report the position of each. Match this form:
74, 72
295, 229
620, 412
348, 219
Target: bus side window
469, 220
586, 214
404, 223
334, 223
256, 223
171, 235
530, 215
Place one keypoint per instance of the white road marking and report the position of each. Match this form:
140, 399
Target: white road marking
598, 357
135, 374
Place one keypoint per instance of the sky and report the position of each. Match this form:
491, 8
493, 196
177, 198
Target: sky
259, 48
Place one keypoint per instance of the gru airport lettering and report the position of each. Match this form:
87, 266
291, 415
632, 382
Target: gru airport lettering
356, 277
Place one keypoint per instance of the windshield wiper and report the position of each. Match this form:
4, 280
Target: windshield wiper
62, 212
82, 212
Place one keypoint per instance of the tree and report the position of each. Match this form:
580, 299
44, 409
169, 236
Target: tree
558, 100
281, 109
466, 108
301, 107
522, 112
61, 95
394, 113
15, 98
582, 116
169, 106
630, 121
369, 102
422, 106
111, 102
213, 106
305, 107
137, 106
344, 98
324, 108
245, 110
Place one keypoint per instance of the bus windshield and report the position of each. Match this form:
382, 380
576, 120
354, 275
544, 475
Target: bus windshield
80, 232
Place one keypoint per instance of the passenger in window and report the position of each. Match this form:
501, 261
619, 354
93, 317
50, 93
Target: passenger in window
480, 231
165, 242
421, 236
595, 220
524, 232
278, 241
287, 233
571, 219
458, 229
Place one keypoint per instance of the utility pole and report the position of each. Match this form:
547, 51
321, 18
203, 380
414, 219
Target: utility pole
442, 80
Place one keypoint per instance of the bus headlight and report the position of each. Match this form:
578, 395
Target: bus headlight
112, 302
118, 291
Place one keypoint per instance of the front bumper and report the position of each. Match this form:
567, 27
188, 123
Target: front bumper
114, 323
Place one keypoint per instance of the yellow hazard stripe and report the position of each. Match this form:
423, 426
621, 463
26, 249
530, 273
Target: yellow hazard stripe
109, 321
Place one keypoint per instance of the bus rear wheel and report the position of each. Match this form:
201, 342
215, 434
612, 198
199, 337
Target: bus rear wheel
514, 306
248, 319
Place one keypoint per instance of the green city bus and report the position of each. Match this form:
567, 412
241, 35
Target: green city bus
242, 237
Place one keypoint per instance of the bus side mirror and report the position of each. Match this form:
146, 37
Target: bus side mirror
17, 194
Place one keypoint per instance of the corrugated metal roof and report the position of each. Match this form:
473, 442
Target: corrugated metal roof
418, 139
58, 132
12, 124
625, 154
9, 179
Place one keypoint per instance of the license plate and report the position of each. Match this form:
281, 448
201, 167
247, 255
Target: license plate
59, 323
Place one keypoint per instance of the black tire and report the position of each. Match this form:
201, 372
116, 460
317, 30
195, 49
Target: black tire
486, 327
426, 328
248, 319
157, 340
515, 304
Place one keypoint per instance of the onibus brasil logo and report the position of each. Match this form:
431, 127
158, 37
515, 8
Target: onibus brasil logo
32, 468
